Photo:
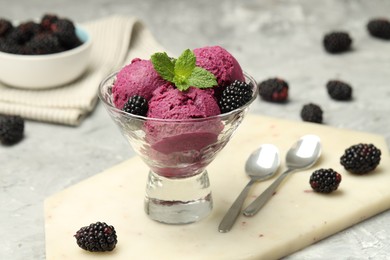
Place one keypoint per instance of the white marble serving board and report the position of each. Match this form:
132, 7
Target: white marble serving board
293, 219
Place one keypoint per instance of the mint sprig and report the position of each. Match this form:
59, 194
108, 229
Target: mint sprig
182, 71
163, 65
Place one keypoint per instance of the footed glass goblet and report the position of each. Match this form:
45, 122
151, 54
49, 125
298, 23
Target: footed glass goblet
177, 153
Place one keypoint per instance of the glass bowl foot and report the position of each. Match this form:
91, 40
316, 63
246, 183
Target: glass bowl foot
178, 200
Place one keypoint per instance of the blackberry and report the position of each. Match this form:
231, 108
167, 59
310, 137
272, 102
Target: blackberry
361, 158
311, 113
17, 37
339, 90
48, 20
9, 46
65, 30
30, 28
136, 105
325, 180
43, 43
234, 96
379, 28
97, 237
11, 129
274, 90
5, 27
24, 32
50, 35
337, 42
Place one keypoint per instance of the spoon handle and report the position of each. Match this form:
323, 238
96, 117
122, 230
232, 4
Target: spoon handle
262, 199
235, 210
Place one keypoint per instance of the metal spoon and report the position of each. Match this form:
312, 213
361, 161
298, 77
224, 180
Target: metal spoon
261, 165
303, 154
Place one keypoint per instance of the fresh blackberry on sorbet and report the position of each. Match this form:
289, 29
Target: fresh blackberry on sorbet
136, 105
361, 158
97, 237
339, 90
11, 129
325, 180
379, 28
235, 95
337, 42
311, 113
274, 90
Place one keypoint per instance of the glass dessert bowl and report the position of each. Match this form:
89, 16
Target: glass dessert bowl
177, 153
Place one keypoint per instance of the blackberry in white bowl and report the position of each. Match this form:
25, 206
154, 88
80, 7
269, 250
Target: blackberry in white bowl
46, 53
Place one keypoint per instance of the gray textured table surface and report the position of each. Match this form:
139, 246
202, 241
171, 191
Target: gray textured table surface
269, 38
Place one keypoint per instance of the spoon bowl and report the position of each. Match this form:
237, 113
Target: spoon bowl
303, 154
263, 162
261, 165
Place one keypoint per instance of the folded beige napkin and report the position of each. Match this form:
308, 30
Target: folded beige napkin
116, 40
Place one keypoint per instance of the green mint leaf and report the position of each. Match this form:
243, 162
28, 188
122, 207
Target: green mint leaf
164, 65
202, 78
184, 65
182, 71
173, 60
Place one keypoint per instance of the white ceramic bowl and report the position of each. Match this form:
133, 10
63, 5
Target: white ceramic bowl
47, 70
